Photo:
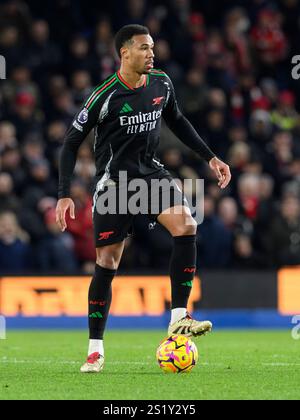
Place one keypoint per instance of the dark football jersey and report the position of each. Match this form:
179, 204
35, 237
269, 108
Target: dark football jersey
127, 124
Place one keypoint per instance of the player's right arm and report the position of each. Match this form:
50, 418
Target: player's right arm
84, 121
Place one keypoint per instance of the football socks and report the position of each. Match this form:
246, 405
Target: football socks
100, 295
182, 269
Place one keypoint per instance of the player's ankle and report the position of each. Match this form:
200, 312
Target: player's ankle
96, 346
177, 314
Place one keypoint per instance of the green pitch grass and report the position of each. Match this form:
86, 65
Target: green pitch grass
232, 365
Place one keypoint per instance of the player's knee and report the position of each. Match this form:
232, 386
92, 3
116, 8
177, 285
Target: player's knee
109, 261
189, 227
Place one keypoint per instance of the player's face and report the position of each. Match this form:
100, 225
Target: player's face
139, 54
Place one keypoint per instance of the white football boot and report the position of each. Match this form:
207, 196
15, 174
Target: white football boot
190, 327
93, 364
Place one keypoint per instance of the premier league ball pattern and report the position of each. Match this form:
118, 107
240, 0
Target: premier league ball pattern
177, 354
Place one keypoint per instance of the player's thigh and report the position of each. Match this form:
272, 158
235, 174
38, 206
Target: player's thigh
178, 221
174, 212
110, 229
110, 232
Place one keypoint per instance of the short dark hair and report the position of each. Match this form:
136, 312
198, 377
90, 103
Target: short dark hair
126, 33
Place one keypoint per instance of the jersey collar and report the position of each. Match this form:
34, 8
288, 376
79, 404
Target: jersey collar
127, 86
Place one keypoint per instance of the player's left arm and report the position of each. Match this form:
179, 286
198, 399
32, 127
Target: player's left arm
84, 121
184, 130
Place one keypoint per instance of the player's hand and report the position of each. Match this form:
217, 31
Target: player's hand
221, 170
64, 205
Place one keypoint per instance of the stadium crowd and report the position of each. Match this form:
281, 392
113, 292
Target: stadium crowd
230, 62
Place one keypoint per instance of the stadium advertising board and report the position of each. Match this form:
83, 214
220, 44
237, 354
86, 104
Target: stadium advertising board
57, 296
150, 295
289, 291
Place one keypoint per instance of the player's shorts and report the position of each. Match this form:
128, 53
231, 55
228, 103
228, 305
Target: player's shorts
114, 207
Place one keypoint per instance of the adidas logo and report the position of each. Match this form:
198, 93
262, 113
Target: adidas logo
126, 108
187, 283
96, 315
182, 331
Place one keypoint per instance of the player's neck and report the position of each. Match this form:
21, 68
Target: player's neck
133, 79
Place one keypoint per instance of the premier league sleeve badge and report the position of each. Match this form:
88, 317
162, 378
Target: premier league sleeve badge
83, 116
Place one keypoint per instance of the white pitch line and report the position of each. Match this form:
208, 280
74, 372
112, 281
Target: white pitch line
4, 361
112, 363
280, 364
66, 362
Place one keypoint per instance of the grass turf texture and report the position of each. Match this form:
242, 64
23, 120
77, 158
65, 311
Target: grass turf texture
232, 365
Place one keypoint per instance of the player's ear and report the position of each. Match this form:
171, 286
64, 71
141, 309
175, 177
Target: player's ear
124, 51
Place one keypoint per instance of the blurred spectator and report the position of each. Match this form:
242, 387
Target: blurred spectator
16, 13
216, 100
228, 213
7, 135
294, 183
10, 45
80, 57
34, 206
214, 240
249, 195
64, 107
260, 128
33, 151
270, 90
285, 116
237, 24
245, 256
40, 180
42, 56
56, 84
269, 41
25, 116
197, 32
14, 247
135, 11
11, 163
105, 50
193, 96
104, 47
8, 199
239, 156
103, 37
266, 208
85, 166
215, 132
81, 228
55, 251
290, 10
20, 81
164, 60
81, 86
284, 234
55, 135
220, 69
154, 24
246, 97
237, 134
279, 158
